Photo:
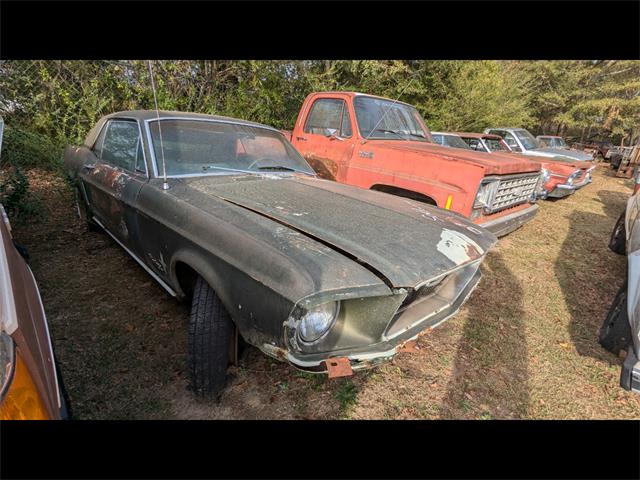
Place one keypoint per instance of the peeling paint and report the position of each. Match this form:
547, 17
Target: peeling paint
457, 247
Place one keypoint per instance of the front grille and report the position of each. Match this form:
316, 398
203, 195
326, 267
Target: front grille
513, 190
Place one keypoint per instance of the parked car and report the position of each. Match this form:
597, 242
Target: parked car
520, 140
380, 144
560, 177
30, 385
328, 277
621, 328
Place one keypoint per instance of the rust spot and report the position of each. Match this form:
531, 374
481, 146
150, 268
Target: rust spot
409, 347
338, 367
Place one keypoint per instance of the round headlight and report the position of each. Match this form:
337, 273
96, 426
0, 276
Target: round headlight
317, 321
7, 362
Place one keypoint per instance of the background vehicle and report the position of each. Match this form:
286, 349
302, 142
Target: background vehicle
379, 144
520, 140
29, 382
560, 177
327, 277
621, 328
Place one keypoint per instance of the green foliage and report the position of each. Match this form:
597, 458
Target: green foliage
15, 196
63, 99
26, 149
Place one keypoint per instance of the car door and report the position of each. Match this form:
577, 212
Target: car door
329, 134
112, 183
509, 139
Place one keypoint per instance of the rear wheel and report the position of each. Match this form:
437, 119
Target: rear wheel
615, 333
210, 331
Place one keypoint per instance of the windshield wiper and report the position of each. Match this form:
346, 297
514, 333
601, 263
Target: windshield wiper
282, 168
384, 130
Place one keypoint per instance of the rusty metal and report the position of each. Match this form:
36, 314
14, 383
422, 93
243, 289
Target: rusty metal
338, 367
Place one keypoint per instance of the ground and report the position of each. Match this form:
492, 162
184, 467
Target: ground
524, 345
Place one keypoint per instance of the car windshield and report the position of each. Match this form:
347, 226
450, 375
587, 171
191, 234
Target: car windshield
203, 147
456, 142
495, 145
383, 119
561, 143
528, 141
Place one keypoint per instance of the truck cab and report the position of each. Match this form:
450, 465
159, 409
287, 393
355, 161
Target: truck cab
380, 144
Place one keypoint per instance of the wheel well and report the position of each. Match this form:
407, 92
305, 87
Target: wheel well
186, 278
401, 192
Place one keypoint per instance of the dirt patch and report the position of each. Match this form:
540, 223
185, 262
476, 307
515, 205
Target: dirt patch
524, 346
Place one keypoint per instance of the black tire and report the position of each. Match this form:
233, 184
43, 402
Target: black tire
210, 330
615, 333
618, 240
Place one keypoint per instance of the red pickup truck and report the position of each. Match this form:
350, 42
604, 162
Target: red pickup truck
384, 145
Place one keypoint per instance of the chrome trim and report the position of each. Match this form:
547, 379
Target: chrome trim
46, 327
142, 264
8, 315
212, 120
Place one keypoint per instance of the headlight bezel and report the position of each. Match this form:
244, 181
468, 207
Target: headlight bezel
484, 195
301, 317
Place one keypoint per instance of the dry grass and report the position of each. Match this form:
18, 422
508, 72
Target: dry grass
524, 346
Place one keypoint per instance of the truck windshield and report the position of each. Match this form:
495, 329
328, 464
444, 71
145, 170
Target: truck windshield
495, 145
204, 147
379, 118
528, 141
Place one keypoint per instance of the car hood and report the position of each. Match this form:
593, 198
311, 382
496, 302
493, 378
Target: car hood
564, 164
561, 153
403, 242
491, 165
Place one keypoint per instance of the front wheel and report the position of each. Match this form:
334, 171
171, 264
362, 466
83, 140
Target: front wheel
615, 333
210, 330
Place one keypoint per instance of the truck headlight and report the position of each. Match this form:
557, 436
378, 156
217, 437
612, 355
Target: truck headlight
317, 321
485, 194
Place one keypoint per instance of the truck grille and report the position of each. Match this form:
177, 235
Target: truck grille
513, 190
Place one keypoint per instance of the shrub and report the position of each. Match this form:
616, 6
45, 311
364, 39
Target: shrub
15, 195
26, 149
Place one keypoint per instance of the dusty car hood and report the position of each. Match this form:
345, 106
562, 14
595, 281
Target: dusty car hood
483, 159
403, 242
559, 152
560, 163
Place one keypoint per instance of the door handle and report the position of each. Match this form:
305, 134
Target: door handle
302, 139
89, 167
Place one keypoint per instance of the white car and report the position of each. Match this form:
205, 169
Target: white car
521, 140
621, 328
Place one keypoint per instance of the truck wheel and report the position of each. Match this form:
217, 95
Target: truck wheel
618, 237
210, 330
615, 333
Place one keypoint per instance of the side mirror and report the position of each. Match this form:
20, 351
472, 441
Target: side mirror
334, 136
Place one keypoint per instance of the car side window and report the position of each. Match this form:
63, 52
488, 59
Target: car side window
510, 140
122, 145
97, 146
329, 116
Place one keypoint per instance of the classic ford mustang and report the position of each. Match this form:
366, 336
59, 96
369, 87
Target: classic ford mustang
328, 277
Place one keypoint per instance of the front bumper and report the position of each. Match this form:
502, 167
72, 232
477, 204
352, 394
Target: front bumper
561, 191
371, 355
508, 223
630, 375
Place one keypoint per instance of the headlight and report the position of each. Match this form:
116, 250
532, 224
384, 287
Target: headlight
572, 177
485, 194
317, 321
7, 363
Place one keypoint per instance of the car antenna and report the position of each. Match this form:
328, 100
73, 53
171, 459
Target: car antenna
388, 109
165, 185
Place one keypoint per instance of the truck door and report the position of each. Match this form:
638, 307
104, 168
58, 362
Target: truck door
328, 138
112, 182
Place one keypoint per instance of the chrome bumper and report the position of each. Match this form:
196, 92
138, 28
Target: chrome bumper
630, 375
562, 191
508, 223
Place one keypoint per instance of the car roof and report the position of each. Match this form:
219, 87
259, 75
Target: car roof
144, 115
